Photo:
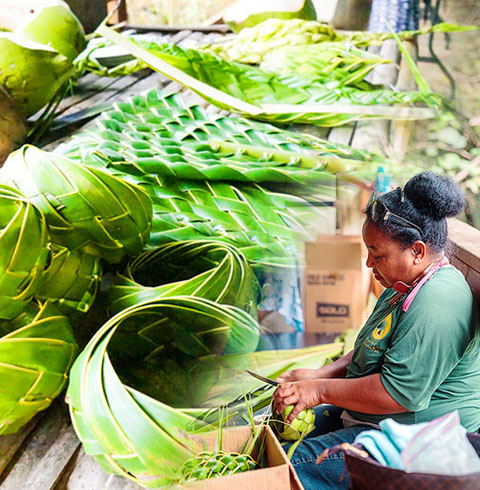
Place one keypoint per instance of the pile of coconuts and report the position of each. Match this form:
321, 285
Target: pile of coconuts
39, 39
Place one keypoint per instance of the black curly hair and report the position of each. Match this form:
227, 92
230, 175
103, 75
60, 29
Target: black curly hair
426, 200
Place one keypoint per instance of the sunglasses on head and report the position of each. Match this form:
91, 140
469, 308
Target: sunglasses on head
378, 212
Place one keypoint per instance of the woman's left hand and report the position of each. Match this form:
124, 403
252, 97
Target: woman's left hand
303, 394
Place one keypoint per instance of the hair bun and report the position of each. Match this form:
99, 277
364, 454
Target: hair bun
435, 195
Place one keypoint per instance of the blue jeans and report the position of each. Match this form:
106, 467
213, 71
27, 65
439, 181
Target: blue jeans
329, 431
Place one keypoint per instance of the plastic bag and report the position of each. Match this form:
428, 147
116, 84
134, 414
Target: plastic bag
441, 447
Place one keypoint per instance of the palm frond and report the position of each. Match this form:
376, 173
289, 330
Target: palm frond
85, 208
24, 251
252, 91
36, 351
149, 141
212, 270
251, 45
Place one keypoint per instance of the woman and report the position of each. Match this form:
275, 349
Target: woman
417, 357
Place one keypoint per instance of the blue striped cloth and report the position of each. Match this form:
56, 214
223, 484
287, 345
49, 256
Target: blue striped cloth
402, 15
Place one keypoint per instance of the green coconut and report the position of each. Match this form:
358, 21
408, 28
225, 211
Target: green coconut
57, 27
30, 72
247, 13
13, 128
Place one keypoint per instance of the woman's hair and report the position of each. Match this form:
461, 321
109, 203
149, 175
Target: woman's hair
426, 200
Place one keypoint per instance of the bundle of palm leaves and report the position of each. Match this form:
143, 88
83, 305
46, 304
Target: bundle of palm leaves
252, 44
211, 176
284, 98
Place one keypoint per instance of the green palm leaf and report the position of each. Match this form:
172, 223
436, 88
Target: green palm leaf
84, 208
23, 251
36, 351
149, 141
266, 226
161, 135
326, 61
211, 270
142, 438
251, 45
266, 96
70, 280
176, 327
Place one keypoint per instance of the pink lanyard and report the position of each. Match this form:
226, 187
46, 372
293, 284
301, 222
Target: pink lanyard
411, 291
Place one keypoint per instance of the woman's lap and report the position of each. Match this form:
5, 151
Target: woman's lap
329, 431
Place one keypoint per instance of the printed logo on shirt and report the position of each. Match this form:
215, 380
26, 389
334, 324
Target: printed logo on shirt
381, 330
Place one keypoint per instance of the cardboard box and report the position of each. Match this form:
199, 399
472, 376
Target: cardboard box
279, 475
336, 283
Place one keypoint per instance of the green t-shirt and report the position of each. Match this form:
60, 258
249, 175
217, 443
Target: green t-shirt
429, 356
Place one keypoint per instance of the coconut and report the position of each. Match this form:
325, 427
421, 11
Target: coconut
31, 72
13, 129
247, 13
49, 22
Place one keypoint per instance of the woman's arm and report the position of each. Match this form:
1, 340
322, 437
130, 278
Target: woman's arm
366, 394
337, 369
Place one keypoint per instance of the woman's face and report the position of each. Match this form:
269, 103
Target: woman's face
388, 259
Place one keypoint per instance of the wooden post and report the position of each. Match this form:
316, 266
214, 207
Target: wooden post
120, 14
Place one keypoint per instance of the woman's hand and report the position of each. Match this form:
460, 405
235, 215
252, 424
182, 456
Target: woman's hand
303, 394
299, 375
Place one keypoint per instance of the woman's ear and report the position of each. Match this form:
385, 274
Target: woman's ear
419, 251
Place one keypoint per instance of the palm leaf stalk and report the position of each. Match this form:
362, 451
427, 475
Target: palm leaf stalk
251, 45
36, 351
212, 270
24, 251
85, 208
266, 96
70, 281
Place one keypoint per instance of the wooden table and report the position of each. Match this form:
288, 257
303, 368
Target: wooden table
46, 454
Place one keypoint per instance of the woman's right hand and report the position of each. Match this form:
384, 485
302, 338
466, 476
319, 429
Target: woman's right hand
299, 375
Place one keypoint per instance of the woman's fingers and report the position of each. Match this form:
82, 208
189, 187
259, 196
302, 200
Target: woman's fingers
284, 396
296, 410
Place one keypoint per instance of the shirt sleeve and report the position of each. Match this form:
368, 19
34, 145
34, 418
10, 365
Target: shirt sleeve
428, 342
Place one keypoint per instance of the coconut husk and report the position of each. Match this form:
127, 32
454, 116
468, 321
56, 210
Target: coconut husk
13, 129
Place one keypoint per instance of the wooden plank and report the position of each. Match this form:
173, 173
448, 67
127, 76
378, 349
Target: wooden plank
86, 474
9, 445
115, 482
42, 460
465, 243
